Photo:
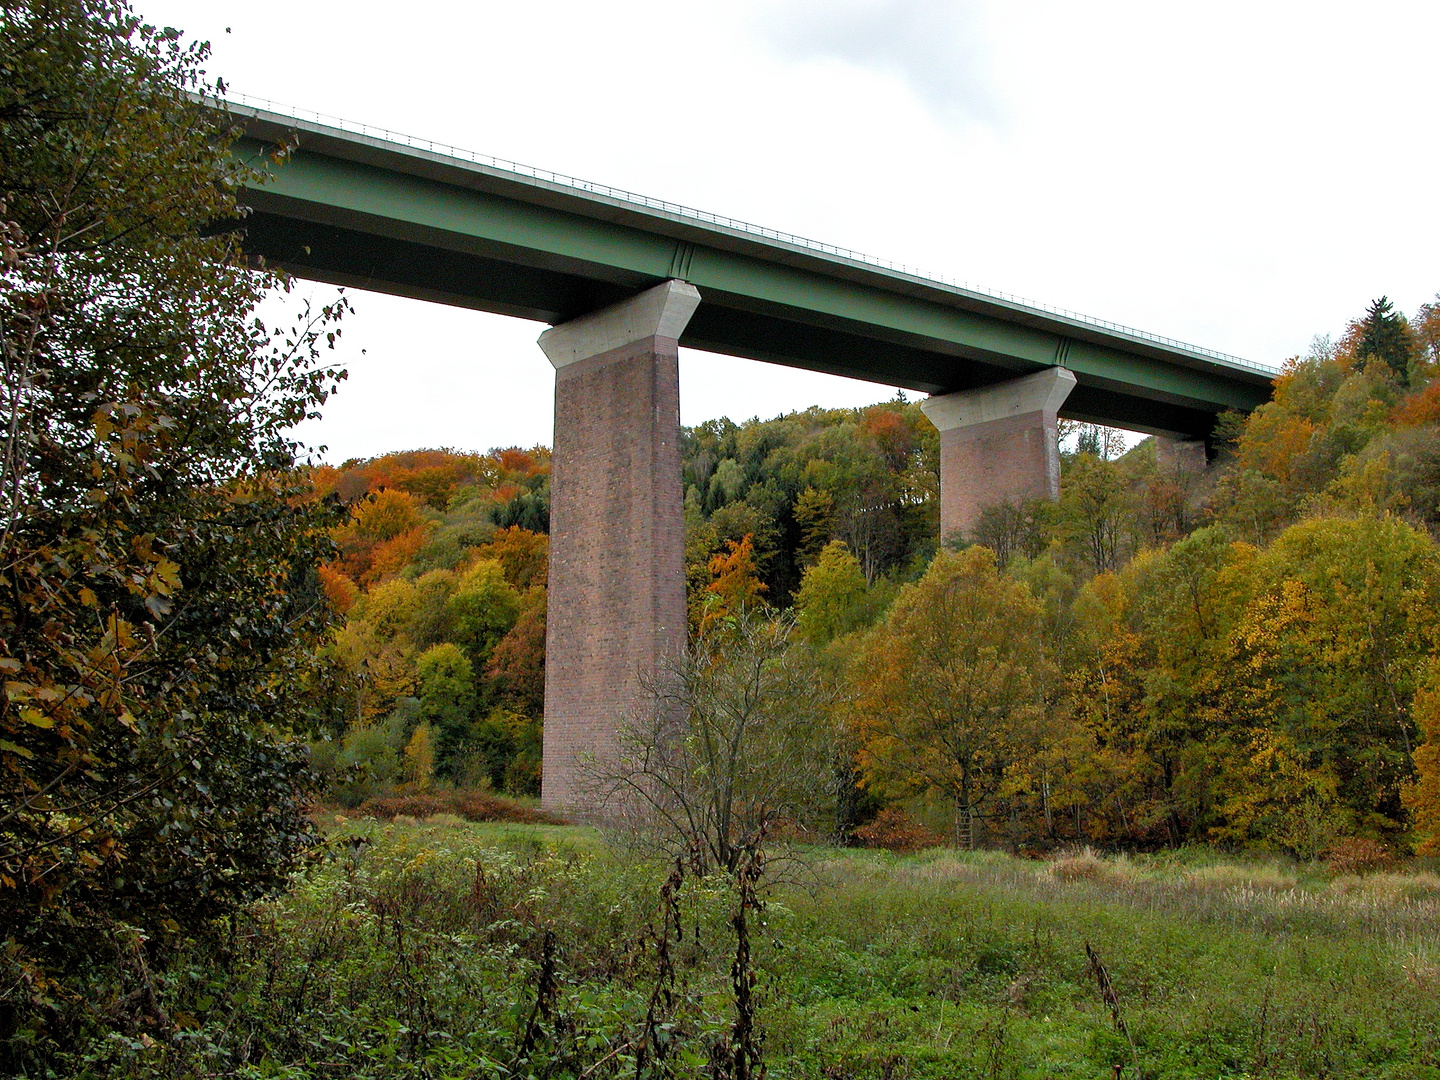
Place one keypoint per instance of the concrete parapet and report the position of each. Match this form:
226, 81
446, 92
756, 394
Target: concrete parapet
997, 445
617, 531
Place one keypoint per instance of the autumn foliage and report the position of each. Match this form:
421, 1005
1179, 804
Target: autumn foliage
444, 637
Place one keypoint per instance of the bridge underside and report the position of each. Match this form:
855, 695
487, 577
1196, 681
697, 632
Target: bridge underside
729, 323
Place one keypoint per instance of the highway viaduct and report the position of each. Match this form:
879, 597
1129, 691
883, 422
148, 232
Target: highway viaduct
624, 281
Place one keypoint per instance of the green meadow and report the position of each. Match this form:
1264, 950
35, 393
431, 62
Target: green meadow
448, 949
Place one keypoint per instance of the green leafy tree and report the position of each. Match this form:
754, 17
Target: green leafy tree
1095, 508
159, 599
447, 695
447, 685
815, 518
481, 610
834, 599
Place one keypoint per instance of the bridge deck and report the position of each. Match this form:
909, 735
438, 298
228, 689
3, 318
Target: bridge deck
381, 214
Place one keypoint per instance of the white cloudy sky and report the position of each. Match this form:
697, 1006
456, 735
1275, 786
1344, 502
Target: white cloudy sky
1242, 175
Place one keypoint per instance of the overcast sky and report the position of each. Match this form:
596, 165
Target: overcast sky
1243, 176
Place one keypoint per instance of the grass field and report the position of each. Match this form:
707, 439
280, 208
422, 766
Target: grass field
447, 949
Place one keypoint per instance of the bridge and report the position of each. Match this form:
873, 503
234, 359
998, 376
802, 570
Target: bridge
624, 281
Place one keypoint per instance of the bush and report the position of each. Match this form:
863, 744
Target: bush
368, 763
1082, 865
1086, 864
470, 805
895, 830
1358, 855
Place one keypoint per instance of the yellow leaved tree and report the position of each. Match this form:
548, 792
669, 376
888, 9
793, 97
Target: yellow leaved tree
1422, 797
950, 683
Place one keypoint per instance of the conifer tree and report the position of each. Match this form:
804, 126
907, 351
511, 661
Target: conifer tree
1386, 335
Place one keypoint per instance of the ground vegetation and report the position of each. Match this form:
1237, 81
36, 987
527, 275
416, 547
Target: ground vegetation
436, 948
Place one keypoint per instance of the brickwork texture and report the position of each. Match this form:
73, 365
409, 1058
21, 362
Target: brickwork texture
1009, 459
617, 554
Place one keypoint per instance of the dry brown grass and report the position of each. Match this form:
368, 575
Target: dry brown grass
1389, 887
1086, 864
1260, 877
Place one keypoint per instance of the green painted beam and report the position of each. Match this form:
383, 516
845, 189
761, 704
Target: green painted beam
357, 210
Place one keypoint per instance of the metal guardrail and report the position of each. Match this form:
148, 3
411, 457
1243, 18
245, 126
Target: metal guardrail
354, 127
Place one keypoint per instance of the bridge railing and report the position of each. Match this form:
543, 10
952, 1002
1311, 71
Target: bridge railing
249, 102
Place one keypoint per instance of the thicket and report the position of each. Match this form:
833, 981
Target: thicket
159, 599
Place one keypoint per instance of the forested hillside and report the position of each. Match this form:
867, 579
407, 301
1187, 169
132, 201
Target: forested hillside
1228, 654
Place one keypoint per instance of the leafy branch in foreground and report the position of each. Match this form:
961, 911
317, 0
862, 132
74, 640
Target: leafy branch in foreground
158, 545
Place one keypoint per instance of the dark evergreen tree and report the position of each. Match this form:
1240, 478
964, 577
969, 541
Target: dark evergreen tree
1386, 335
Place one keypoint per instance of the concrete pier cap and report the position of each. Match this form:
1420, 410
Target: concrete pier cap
998, 445
661, 312
616, 607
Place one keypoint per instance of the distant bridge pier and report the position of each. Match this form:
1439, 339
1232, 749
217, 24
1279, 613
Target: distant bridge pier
997, 445
617, 527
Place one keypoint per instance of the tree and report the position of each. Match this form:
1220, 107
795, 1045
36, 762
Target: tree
1384, 334
1012, 529
736, 587
386, 514
447, 697
1095, 505
1422, 798
159, 600
1427, 333
834, 599
420, 757
814, 514
948, 682
1346, 613
482, 609
524, 555
517, 666
730, 740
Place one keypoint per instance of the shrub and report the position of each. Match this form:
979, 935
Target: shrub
470, 805
1086, 864
895, 830
369, 761
1358, 855
1081, 865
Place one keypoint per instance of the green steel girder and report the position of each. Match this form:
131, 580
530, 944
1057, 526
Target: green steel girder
384, 216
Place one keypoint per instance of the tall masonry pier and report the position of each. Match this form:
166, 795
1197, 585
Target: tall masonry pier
624, 280
617, 530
